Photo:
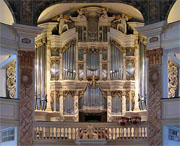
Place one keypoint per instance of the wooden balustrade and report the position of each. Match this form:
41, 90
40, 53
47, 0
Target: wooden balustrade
73, 131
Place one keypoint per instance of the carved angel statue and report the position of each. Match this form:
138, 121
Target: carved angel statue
122, 23
104, 13
62, 24
93, 83
81, 14
90, 133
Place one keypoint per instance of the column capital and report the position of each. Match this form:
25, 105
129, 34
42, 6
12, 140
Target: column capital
26, 36
152, 32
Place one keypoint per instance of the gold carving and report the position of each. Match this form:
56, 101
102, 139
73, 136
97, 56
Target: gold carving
116, 44
11, 80
67, 45
40, 42
93, 83
173, 79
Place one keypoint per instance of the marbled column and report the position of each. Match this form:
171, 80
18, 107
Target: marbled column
136, 108
26, 80
154, 97
76, 109
26, 97
48, 75
61, 104
109, 107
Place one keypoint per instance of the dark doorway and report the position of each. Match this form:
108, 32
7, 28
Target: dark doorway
93, 117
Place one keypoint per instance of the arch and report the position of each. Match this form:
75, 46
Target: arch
5, 8
141, 8
173, 14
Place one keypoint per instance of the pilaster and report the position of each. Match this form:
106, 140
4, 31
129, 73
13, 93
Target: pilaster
76, 109
48, 75
61, 104
154, 54
109, 107
136, 108
26, 90
123, 102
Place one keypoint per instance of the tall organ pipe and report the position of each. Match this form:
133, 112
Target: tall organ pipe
69, 63
92, 98
116, 63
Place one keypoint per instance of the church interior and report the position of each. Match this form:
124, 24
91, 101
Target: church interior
89, 73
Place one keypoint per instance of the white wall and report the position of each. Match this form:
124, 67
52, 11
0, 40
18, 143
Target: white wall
166, 141
10, 143
6, 15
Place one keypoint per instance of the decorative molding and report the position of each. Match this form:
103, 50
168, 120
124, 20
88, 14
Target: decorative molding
26, 58
116, 44
40, 42
155, 56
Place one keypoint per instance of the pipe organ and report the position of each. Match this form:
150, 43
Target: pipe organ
91, 67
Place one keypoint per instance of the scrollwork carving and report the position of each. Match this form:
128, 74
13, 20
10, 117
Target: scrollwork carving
116, 44
11, 80
173, 79
40, 42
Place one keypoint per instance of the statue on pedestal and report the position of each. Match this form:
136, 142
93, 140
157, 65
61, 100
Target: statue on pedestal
62, 24
122, 23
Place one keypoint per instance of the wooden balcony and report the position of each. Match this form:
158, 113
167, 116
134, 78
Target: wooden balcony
77, 133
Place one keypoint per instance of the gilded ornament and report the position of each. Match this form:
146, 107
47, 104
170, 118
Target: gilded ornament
11, 80
173, 79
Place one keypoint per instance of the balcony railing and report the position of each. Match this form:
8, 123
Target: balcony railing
73, 131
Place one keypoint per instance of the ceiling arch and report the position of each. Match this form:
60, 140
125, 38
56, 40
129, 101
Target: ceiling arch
7, 17
57, 9
174, 13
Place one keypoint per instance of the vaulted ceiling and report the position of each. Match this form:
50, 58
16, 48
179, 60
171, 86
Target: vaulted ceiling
28, 11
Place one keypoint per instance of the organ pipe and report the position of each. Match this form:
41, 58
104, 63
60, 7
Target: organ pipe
116, 63
92, 99
69, 63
